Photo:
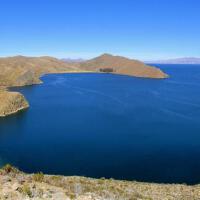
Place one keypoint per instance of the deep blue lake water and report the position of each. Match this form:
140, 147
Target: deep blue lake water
104, 125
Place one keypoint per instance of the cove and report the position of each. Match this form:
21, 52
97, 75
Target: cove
104, 125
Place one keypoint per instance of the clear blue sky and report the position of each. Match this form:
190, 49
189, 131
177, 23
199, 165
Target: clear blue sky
143, 29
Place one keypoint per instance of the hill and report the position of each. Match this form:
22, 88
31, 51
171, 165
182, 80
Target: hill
122, 65
20, 70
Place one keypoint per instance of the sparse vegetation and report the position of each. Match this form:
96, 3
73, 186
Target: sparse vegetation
26, 190
9, 169
40, 186
106, 70
39, 177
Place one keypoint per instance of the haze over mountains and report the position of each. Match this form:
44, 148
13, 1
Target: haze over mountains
70, 60
185, 60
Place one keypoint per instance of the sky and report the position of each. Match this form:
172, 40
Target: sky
142, 29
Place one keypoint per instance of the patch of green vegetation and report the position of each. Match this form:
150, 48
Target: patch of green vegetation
56, 178
71, 195
26, 190
39, 177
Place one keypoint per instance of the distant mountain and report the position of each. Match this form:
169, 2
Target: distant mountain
70, 60
186, 60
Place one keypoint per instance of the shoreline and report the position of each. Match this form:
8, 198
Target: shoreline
40, 186
14, 112
7, 88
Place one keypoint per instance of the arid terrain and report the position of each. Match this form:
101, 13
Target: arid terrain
18, 185
122, 65
21, 71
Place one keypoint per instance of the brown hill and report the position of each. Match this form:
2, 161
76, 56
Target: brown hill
20, 70
122, 65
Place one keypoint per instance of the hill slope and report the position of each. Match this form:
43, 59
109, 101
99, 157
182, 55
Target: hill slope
122, 65
20, 70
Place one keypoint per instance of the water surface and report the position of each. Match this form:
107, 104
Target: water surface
104, 125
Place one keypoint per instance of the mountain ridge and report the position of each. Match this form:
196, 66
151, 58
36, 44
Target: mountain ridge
183, 60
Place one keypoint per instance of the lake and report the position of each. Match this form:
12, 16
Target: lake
104, 125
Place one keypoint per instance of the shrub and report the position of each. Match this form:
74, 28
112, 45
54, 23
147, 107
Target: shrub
39, 177
106, 70
9, 168
27, 190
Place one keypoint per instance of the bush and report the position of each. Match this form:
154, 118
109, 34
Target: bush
26, 190
9, 169
106, 70
39, 177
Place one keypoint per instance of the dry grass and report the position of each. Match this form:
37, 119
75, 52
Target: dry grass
11, 102
15, 183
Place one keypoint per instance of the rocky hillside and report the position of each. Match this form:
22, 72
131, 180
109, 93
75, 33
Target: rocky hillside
122, 65
17, 185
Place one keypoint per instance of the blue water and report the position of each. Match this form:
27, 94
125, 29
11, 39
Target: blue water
104, 125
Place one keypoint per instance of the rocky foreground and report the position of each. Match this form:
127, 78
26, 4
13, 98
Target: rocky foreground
16, 185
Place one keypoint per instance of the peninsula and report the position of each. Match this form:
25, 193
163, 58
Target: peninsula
22, 71
122, 65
